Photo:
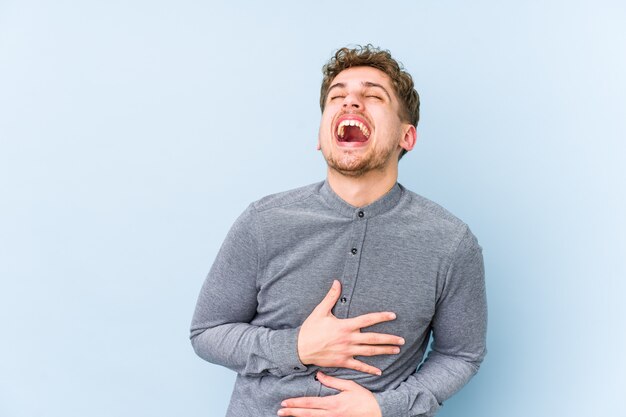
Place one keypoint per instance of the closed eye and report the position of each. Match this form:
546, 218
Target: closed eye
373, 96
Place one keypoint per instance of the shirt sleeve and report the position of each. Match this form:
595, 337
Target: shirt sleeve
459, 339
221, 332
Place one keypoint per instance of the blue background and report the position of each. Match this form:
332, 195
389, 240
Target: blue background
132, 134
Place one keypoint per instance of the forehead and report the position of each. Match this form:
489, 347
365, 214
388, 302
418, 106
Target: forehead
360, 75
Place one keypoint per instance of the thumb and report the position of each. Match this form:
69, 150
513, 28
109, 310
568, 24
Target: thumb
336, 383
327, 304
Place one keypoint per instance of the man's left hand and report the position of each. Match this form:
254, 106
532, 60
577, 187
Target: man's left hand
352, 401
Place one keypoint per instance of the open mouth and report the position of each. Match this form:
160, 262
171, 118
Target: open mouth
352, 130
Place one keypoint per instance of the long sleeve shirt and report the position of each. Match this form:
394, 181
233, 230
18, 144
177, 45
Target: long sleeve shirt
401, 253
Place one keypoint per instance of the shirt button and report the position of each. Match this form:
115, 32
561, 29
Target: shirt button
343, 300
354, 251
361, 214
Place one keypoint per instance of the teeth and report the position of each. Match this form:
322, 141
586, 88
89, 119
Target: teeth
342, 127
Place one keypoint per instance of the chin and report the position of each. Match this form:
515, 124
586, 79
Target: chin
349, 165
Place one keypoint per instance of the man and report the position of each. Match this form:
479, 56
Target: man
398, 267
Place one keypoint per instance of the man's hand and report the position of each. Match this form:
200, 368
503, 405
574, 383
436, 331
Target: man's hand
324, 340
352, 401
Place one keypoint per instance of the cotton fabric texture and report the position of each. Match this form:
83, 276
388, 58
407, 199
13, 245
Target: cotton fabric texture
402, 253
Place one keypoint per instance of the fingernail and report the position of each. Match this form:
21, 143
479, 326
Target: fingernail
392, 315
379, 373
401, 341
396, 350
283, 404
281, 413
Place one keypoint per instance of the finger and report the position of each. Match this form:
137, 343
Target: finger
370, 319
377, 339
368, 350
357, 365
327, 304
321, 403
336, 383
302, 412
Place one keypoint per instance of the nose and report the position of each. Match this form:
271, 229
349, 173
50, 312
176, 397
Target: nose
352, 102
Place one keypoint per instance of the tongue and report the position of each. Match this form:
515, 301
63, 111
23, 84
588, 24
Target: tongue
353, 134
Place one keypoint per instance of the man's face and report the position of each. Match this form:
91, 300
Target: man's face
361, 129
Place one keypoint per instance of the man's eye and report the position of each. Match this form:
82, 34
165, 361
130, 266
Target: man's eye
373, 96
335, 97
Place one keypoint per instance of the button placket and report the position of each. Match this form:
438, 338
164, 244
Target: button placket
352, 265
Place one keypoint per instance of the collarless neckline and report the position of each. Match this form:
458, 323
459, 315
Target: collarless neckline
380, 206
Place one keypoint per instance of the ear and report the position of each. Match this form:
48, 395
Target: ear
410, 137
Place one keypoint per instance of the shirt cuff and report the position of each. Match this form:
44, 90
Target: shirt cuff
284, 348
394, 403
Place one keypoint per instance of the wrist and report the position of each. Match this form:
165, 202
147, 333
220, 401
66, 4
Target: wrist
301, 349
284, 350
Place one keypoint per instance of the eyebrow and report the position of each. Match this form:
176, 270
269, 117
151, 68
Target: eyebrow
336, 85
368, 84
371, 84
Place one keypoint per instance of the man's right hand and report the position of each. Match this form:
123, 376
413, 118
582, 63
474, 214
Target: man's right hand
324, 340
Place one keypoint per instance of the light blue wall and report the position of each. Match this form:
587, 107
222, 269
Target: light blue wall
133, 133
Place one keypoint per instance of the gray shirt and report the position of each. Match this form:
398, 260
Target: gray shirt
402, 253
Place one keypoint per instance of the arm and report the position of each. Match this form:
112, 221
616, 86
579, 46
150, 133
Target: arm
220, 329
459, 333
221, 332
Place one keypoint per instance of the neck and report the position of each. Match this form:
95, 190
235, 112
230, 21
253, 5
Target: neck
364, 189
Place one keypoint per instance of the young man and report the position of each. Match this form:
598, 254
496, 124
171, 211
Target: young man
398, 267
